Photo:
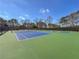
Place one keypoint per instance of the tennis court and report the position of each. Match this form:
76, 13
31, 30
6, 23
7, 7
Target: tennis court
54, 45
25, 35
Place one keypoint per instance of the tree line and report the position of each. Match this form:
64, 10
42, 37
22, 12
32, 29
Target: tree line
15, 24
69, 22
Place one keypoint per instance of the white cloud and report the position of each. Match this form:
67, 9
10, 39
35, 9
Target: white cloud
6, 16
26, 15
47, 10
21, 17
44, 10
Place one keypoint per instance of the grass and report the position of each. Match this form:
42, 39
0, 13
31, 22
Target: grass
56, 45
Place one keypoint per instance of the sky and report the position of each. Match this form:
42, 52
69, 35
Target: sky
32, 9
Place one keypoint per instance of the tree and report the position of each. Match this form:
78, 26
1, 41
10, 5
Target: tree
49, 20
13, 23
3, 24
74, 17
64, 21
38, 20
2, 21
70, 19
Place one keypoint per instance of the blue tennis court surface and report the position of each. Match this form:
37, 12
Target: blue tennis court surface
25, 35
